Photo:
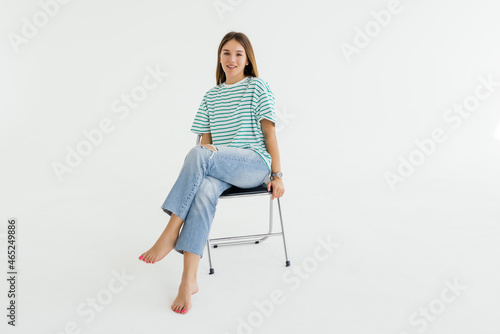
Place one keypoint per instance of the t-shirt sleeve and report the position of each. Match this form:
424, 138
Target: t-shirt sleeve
265, 104
201, 123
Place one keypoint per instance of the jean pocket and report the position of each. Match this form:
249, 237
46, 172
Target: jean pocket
210, 148
213, 151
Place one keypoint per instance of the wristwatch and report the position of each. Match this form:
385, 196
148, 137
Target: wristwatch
278, 174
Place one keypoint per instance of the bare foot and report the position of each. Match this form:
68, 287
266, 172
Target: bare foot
160, 249
182, 303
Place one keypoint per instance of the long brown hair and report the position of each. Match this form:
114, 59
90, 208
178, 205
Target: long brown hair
250, 69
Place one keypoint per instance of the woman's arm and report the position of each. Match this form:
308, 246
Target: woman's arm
206, 138
268, 130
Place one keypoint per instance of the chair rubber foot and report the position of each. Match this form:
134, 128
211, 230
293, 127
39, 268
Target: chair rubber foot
211, 271
215, 246
257, 241
287, 263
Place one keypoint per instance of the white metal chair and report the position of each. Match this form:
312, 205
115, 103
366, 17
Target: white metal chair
235, 192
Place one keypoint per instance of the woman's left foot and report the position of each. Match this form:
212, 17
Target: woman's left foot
182, 303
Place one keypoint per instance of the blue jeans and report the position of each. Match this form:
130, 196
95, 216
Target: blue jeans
205, 175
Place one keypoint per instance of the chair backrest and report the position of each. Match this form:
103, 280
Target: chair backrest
198, 140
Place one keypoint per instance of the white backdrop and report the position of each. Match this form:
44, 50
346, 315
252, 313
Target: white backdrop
389, 133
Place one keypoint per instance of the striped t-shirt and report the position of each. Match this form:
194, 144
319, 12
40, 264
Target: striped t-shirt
232, 114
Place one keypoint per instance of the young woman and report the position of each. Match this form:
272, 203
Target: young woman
236, 119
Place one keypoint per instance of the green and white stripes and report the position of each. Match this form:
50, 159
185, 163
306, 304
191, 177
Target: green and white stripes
232, 114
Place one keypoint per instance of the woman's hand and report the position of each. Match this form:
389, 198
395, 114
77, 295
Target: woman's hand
278, 188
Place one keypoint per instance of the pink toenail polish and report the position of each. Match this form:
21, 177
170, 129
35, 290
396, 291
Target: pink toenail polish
140, 257
183, 311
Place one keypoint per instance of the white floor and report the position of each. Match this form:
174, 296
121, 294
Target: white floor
388, 261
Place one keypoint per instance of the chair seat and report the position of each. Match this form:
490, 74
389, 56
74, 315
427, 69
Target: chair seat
235, 191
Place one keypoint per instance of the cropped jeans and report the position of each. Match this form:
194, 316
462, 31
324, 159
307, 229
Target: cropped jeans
204, 176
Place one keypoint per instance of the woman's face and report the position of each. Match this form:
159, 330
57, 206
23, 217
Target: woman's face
233, 60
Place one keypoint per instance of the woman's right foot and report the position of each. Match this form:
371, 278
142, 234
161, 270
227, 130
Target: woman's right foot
160, 249
182, 303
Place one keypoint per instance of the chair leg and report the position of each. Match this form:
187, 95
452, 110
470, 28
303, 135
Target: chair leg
287, 262
270, 221
209, 257
264, 237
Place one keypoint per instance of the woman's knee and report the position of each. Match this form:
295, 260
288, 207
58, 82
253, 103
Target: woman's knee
195, 152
